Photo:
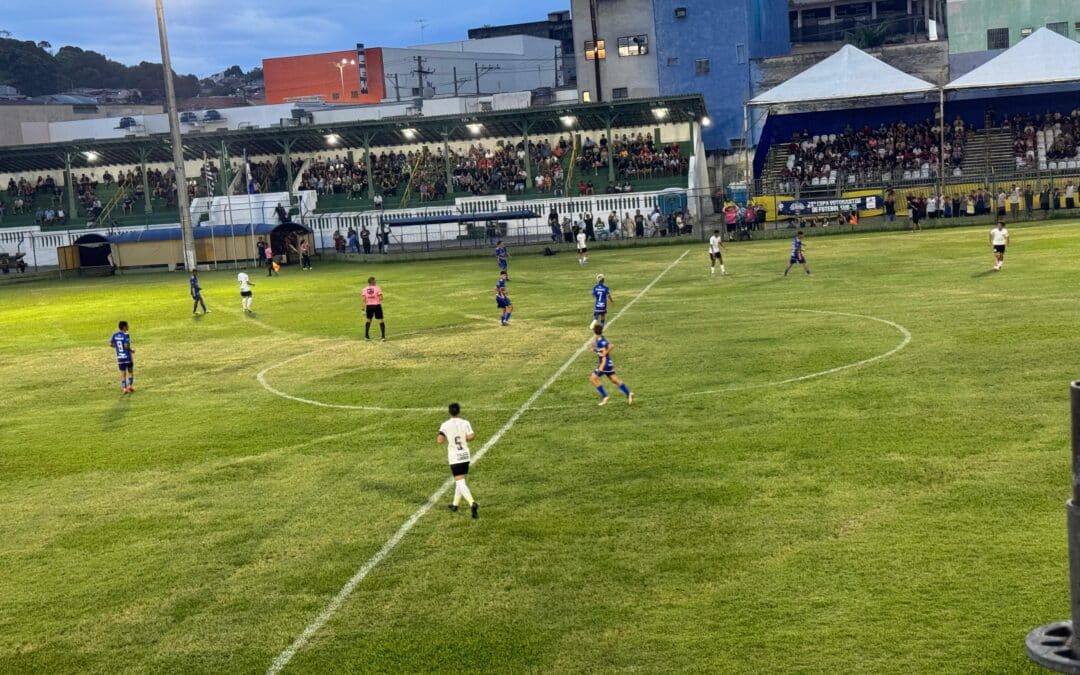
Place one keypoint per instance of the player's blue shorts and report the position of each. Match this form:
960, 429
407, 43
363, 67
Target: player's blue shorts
196, 296
502, 302
502, 263
797, 259
602, 373
600, 309
125, 365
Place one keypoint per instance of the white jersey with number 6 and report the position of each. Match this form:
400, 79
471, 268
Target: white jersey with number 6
457, 432
714, 244
1000, 237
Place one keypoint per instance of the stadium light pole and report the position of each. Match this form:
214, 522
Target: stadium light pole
186, 234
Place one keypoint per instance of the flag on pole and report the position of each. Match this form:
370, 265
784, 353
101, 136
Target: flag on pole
247, 174
208, 176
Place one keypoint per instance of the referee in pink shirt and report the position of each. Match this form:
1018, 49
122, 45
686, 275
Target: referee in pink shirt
373, 305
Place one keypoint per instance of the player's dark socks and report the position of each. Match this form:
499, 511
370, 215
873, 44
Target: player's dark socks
624, 389
454, 508
382, 330
367, 331
475, 508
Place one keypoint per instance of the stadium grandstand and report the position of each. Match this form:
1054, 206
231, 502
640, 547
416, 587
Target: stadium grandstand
569, 150
1011, 122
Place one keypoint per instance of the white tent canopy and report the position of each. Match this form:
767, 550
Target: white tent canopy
1044, 57
849, 73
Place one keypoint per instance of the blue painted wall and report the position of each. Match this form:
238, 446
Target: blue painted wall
729, 33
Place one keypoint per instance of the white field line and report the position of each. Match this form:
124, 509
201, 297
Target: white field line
821, 373
335, 603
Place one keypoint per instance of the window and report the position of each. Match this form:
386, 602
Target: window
702, 67
997, 38
354, 94
1059, 27
595, 50
740, 53
680, 12
586, 96
673, 60
859, 9
335, 96
620, 92
634, 45
1024, 32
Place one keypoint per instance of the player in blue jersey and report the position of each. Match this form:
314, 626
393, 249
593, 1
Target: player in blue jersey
797, 257
125, 360
606, 368
196, 293
502, 299
502, 255
601, 297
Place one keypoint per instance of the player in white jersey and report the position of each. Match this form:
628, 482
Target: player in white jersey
999, 239
456, 432
582, 247
245, 291
715, 256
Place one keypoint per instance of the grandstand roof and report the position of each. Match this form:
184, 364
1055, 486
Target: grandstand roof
1044, 57
546, 120
849, 73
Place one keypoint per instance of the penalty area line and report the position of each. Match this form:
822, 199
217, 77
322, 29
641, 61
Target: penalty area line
387, 548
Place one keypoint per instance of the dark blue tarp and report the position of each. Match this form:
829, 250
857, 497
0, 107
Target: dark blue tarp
461, 218
201, 232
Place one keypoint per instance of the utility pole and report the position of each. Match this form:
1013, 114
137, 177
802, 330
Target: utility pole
482, 71
397, 89
186, 233
420, 73
455, 82
596, 50
557, 66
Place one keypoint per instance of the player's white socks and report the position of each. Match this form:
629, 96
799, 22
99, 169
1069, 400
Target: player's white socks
457, 492
722, 270
463, 490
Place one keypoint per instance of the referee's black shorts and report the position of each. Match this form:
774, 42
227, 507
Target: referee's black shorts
374, 312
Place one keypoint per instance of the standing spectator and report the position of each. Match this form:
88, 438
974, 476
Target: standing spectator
553, 223
654, 219
260, 248
612, 223
890, 205
639, 224
365, 239
373, 297
1029, 202
281, 213
354, 243
339, 242
931, 207
1014, 202
1001, 204
305, 255
384, 238
567, 230
627, 226
590, 230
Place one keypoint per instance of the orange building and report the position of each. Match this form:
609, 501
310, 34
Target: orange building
349, 76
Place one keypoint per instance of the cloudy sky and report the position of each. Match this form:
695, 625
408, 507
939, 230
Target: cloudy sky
207, 36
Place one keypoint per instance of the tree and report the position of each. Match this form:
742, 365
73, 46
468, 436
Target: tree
254, 74
28, 67
869, 35
45, 44
233, 71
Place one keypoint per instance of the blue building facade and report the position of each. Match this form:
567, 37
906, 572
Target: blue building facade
706, 46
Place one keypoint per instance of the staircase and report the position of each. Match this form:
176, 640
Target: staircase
105, 217
989, 151
775, 163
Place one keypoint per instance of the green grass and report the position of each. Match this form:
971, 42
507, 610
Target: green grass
903, 516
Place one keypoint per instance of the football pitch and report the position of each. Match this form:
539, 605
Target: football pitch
862, 470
